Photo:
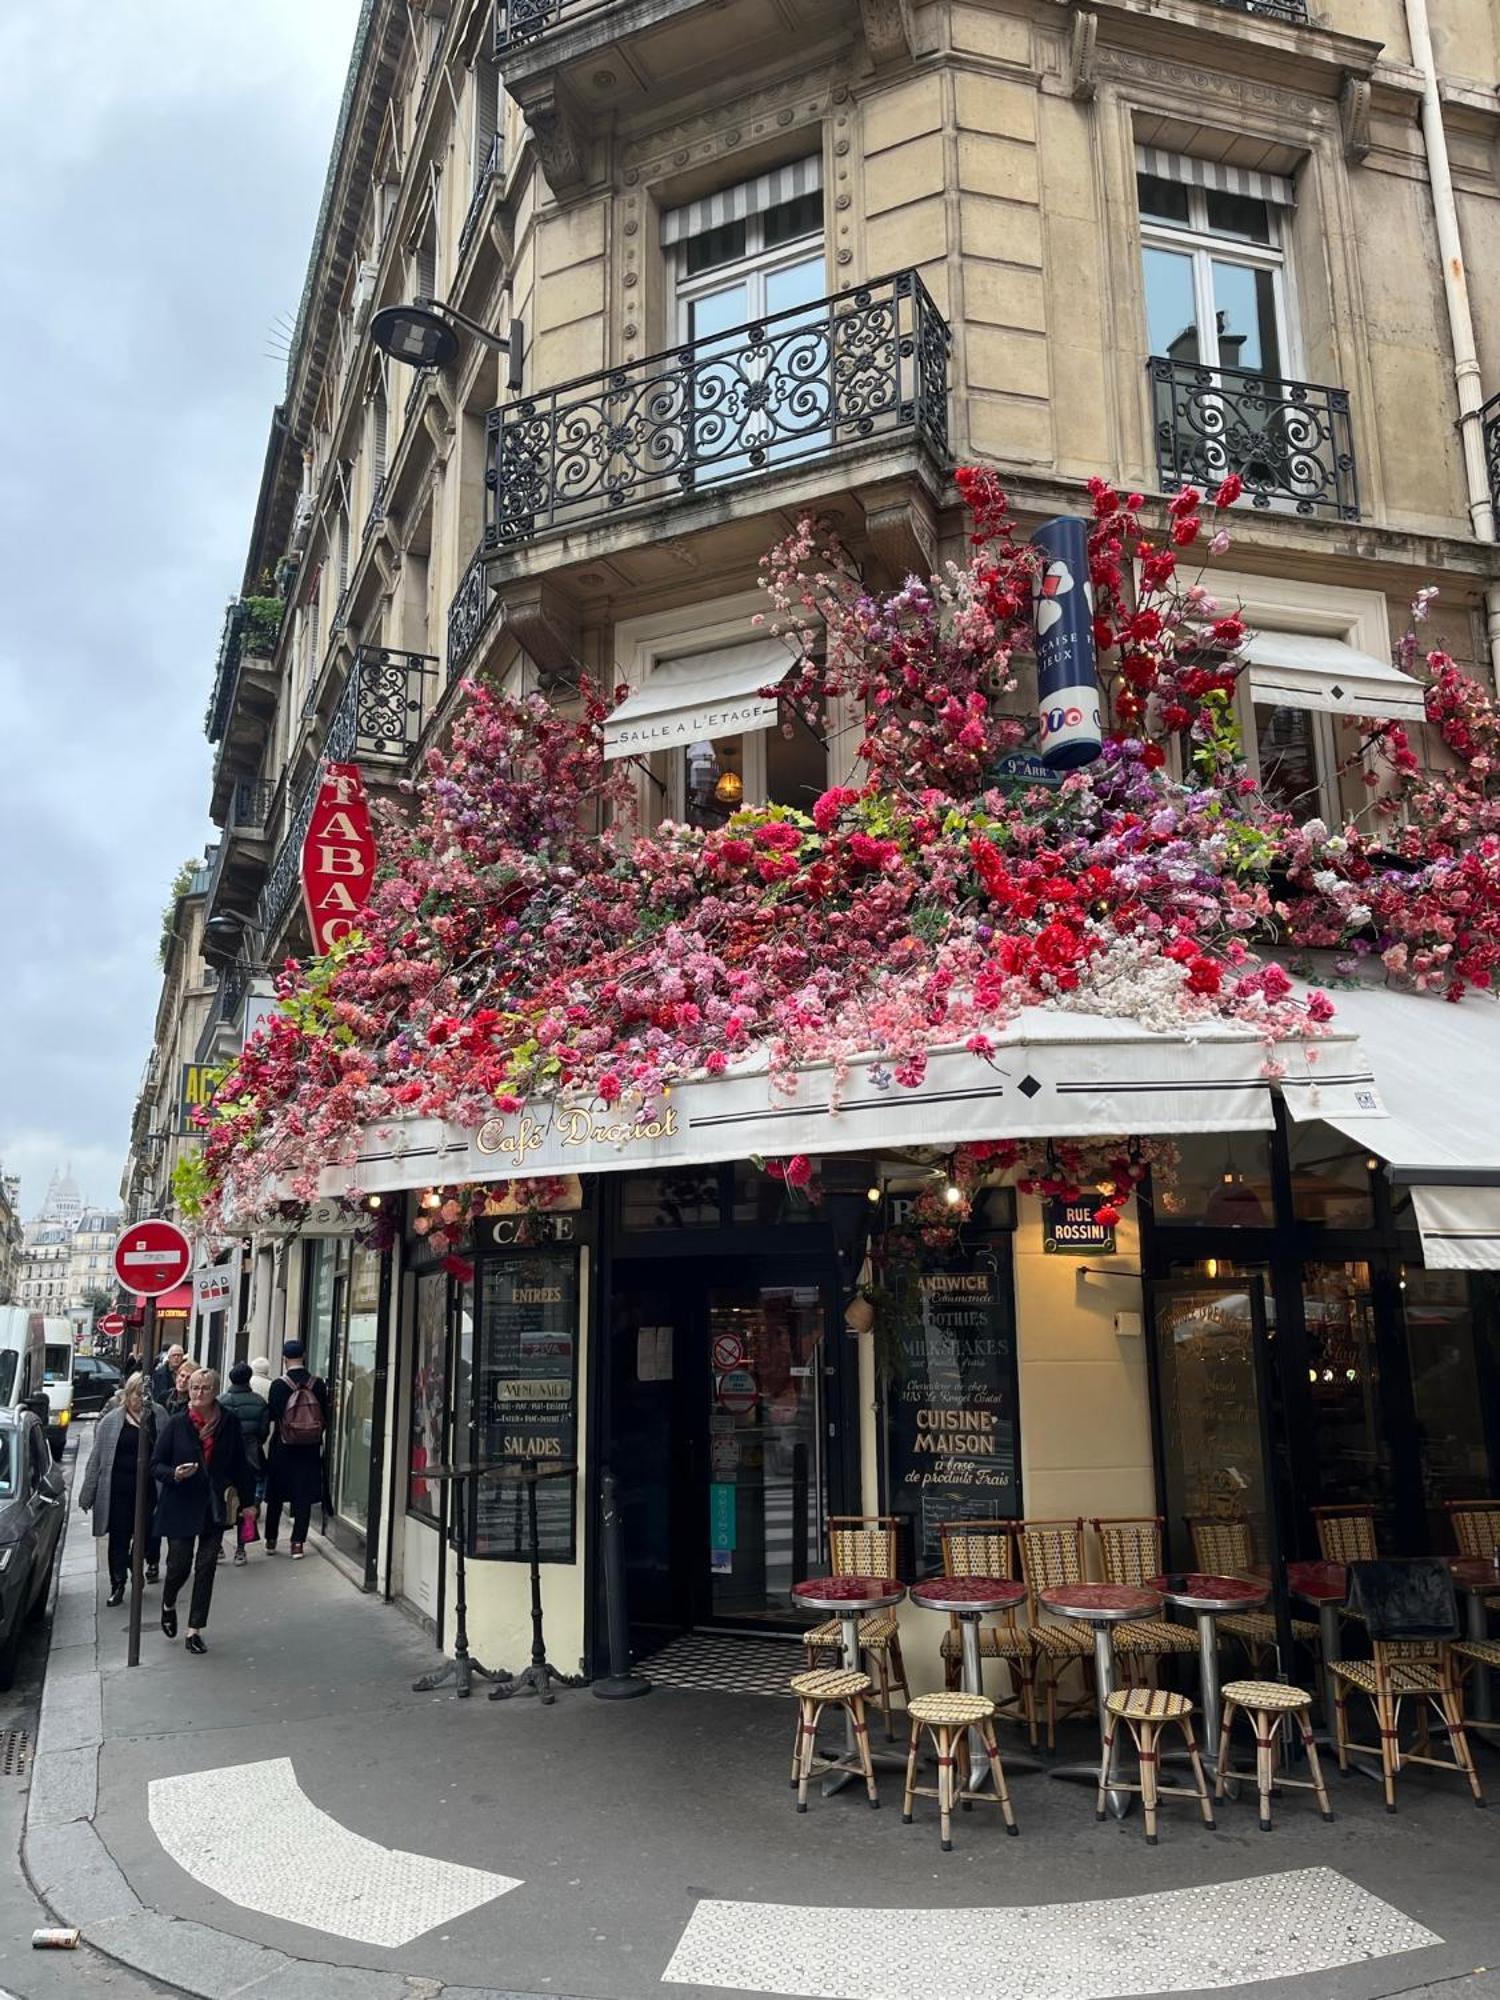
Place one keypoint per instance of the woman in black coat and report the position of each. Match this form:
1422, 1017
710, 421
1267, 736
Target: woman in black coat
202, 1476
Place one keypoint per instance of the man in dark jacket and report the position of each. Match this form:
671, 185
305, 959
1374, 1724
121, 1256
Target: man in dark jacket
254, 1418
298, 1406
201, 1475
164, 1374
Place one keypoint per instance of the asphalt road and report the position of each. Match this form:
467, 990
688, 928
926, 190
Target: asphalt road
26, 1974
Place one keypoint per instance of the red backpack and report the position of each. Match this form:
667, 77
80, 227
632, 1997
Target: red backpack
302, 1419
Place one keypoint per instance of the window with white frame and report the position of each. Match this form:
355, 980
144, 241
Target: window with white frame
1215, 263
752, 253
686, 665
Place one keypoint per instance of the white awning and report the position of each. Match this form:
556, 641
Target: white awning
1052, 1075
1299, 670
1439, 1069
698, 697
733, 204
1216, 174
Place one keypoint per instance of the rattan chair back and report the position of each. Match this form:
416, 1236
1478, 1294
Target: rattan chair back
1476, 1525
1346, 1534
979, 1548
864, 1544
1223, 1545
1051, 1553
1130, 1548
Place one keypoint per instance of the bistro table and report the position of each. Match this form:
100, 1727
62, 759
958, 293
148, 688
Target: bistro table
1478, 1578
848, 1598
968, 1599
1101, 1605
1208, 1596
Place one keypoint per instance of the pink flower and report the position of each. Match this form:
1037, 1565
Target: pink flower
798, 1170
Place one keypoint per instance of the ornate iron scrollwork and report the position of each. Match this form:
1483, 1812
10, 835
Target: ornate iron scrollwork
1490, 419
1294, 11
518, 22
1292, 443
468, 614
777, 391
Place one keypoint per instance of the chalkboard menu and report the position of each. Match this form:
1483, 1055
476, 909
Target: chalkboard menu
953, 1432
526, 1400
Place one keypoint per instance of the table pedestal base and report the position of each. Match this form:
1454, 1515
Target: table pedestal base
1119, 1803
463, 1671
539, 1679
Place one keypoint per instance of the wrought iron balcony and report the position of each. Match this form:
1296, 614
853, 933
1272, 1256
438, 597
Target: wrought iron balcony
1489, 418
489, 166
250, 804
377, 510
776, 392
376, 720
1292, 11
469, 613
251, 628
1292, 443
518, 22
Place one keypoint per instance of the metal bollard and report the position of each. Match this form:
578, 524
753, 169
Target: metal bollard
619, 1684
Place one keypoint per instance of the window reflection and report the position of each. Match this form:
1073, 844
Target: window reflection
1222, 1180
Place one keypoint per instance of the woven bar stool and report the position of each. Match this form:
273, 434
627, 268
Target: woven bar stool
948, 1718
1267, 1704
813, 1691
1145, 1712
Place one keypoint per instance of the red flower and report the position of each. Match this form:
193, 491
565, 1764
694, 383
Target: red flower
1230, 489
1185, 530
1183, 503
798, 1170
1107, 1216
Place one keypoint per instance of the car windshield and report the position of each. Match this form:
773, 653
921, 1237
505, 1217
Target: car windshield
8, 1440
57, 1364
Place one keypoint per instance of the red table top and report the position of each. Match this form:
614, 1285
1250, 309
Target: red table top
1102, 1602
1318, 1582
1475, 1573
1204, 1590
848, 1593
968, 1593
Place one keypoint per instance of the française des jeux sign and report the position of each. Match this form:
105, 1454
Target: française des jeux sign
338, 855
954, 1435
526, 1398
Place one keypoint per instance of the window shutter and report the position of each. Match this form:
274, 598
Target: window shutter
486, 116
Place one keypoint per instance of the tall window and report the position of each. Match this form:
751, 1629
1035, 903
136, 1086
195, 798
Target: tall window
746, 255
1215, 275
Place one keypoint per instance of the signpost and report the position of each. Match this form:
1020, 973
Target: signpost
338, 855
150, 1258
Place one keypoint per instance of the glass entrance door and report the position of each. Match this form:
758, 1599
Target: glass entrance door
1212, 1376
354, 1429
765, 1431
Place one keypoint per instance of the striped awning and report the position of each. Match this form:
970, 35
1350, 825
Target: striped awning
1216, 174
747, 198
1304, 670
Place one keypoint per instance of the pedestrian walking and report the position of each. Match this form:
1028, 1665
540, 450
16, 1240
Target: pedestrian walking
132, 1364
254, 1418
298, 1405
175, 1402
164, 1374
260, 1376
127, 1428
201, 1473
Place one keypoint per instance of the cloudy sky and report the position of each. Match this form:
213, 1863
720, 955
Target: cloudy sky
158, 188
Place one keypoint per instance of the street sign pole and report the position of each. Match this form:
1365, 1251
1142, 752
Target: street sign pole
142, 1477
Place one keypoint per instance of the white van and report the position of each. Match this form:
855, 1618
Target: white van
23, 1364
57, 1380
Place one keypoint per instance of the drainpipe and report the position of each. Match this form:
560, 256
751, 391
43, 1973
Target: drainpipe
1466, 376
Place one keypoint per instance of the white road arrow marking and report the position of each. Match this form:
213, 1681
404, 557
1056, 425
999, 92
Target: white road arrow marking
1283, 1926
251, 1834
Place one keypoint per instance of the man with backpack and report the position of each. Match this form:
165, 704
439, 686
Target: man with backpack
298, 1407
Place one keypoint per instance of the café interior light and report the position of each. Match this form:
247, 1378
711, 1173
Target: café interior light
730, 789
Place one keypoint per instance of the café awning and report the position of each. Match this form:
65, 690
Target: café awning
1438, 1065
1052, 1074
1299, 670
176, 1304
698, 697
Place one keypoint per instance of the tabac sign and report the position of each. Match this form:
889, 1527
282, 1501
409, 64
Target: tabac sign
338, 855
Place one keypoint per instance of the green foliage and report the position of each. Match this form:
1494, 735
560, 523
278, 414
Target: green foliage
181, 882
190, 1184
262, 623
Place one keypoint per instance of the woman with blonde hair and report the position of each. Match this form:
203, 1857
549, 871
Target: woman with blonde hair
108, 1487
202, 1474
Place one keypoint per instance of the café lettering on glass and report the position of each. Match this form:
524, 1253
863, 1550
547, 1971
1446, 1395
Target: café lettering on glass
338, 855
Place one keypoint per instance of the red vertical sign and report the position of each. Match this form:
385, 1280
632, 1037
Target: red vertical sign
338, 855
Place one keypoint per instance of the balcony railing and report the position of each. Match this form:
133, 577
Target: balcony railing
251, 625
518, 22
489, 166
377, 510
1489, 418
250, 804
468, 614
1293, 11
777, 392
377, 719
1292, 443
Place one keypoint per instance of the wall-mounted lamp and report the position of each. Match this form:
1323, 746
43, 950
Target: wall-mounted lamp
421, 335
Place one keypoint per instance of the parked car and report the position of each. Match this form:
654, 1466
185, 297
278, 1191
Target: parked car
57, 1380
32, 1502
96, 1382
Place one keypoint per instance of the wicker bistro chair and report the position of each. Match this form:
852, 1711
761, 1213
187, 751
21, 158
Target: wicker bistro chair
1476, 1532
1266, 1705
1146, 1712
988, 1548
1130, 1550
1052, 1554
865, 1545
1411, 1613
1346, 1534
1224, 1545
820, 1686
948, 1718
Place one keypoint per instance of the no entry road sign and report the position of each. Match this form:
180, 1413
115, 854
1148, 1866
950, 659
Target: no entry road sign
152, 1257
112, 1325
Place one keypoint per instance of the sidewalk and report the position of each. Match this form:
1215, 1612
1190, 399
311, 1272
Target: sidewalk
619, 1843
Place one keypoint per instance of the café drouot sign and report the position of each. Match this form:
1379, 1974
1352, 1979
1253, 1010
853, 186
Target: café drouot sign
338, 855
